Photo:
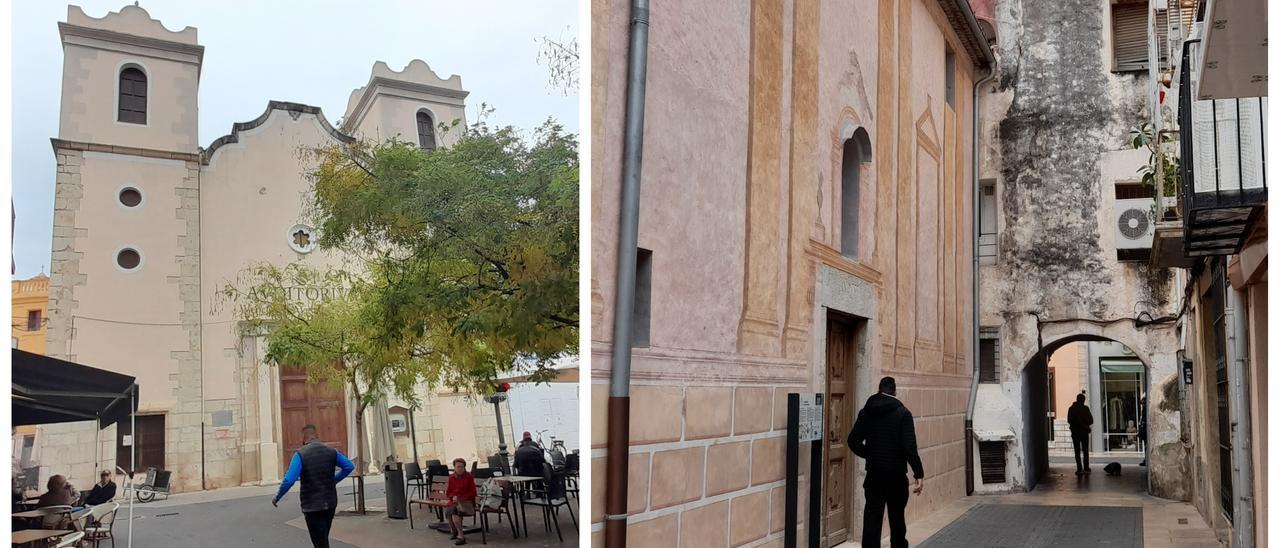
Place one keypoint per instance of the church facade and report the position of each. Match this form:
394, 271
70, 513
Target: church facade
149, 226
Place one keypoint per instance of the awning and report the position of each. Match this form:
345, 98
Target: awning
48, 390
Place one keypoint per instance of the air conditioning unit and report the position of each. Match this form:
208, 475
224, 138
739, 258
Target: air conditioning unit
1133, 224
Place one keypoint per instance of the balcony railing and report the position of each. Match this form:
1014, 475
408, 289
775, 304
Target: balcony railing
1223, 163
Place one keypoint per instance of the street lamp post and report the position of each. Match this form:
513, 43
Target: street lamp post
497, 398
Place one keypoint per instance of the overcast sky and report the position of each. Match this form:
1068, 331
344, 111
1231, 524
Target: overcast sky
313, 52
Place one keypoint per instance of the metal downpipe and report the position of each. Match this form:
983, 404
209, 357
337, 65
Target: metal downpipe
619, 410
1241, 428
973, 384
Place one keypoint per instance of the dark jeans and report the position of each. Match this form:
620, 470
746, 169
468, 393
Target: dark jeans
318, 524
1081, 446
885, 492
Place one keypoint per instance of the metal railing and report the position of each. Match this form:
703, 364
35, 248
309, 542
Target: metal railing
1222, 192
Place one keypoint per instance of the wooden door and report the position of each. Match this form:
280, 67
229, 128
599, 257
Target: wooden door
148, 444
303, 403
837, 485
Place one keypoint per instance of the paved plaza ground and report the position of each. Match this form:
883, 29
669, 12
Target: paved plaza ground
243, 516
1164, 524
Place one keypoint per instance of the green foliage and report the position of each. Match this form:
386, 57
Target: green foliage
335, 338
1143, 136
471, 250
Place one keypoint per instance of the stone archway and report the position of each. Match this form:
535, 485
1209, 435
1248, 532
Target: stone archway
1027, 345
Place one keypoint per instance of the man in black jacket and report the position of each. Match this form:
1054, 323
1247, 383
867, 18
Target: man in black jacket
885, 435
1080, 419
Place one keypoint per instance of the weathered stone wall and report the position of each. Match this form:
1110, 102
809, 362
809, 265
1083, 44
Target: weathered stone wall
1060, 119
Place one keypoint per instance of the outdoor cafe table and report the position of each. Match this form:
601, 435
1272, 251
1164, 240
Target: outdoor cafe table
29, 536
38, 513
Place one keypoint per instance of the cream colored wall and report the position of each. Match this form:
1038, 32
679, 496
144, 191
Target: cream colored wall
128, 321
395, 113
251, 194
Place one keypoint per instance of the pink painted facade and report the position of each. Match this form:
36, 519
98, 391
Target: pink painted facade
749, 107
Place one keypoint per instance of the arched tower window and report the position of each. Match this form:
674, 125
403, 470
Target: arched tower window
857, 149
426, 131
132, 106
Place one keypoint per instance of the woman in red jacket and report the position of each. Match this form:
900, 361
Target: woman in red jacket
461, 492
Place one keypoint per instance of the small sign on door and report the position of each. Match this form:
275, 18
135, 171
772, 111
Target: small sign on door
128, 440
811, 417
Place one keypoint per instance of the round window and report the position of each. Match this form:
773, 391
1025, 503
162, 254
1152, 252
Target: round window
302, 238
128, 259
130, 197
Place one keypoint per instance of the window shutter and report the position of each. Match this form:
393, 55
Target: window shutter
1129, 36
426, 133
132, 100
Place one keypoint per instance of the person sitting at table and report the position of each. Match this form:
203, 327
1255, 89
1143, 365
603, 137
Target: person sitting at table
529, 457
60, 493
102, 492
461, 493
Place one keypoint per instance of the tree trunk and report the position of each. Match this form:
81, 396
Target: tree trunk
361, 467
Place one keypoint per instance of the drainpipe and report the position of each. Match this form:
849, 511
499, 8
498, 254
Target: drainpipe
989, 60
619, 422
1241, 442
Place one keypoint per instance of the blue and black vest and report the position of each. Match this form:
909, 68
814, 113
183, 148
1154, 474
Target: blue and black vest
319, 491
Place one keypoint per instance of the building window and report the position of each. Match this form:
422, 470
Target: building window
987, 220
302, 239
856, 152
130, 197
33, 320
640, 313
1130, 191
128, 259
133, 96
951, 77
1129, 35
426, 131
988, 355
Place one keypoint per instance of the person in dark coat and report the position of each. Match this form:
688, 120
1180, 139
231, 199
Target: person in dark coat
529, 459
102, 492
1080, 420
885, 435
314, 463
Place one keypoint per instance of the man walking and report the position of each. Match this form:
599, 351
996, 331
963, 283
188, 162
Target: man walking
1080, 419
314, 464
885, 435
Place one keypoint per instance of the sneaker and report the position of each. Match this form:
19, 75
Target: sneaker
1079, 472
1087, 471
460, 542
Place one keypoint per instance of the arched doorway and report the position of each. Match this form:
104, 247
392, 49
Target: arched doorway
1115, 381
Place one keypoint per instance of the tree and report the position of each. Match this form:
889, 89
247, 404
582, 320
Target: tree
472, 249
336, 338
561, 58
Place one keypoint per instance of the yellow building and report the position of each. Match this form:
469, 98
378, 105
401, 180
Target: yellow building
30, 311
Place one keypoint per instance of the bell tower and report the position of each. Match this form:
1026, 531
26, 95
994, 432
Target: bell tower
128, 81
